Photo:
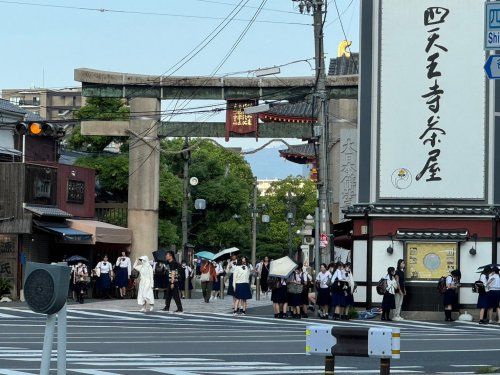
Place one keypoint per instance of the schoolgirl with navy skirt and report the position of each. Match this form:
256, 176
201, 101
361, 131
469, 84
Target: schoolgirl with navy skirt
493, 287
348, 289
338, 296
389, 300
241, 285
450, 296
323, 287
279, 298
294, 297
482, 298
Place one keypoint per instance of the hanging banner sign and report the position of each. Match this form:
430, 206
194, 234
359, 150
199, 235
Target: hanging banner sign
237, 121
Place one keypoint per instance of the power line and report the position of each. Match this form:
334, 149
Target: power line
249, 6
143, 13
341, 14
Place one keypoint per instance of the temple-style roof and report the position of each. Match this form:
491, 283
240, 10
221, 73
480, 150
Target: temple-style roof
302, 112
432, 234
300, 154
343, 66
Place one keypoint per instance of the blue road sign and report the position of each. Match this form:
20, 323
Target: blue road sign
492, 67
492, 25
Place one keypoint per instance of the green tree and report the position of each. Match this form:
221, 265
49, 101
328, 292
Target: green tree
292, 194
97, 109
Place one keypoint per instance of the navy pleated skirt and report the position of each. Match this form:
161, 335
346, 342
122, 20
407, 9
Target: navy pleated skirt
121, 277
294, 299
449, 297
349, 300
389, 301
243, 291
323, 297
493, 299
104, 281
338, 298
279, 295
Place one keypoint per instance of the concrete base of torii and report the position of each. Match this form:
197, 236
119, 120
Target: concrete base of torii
144, 178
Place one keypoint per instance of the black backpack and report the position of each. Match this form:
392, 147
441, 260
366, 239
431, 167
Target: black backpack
382, 286
441, 285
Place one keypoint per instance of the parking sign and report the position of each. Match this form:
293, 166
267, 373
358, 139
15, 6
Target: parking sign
492, 26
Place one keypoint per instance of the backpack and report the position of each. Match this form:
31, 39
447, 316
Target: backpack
160, 269
441, 285
478, 287
381, 286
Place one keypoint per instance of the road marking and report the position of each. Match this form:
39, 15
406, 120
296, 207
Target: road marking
94, 372
450, 350
470, 366
100, 315
13, 372
225, 317
476, 326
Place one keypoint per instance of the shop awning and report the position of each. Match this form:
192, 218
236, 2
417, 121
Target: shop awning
103, 232
64, 233
429, 234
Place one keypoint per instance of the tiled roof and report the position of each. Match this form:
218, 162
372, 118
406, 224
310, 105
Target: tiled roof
342, 66
291, 112
47, 211
432, 210
301, 154
432, 234
5, 105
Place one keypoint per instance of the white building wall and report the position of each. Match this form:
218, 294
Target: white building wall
469, 265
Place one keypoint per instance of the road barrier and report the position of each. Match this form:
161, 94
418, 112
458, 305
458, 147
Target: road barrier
373, 342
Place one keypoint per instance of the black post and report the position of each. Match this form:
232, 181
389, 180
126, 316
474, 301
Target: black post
369, 261
385, 366
494, 246
329, 365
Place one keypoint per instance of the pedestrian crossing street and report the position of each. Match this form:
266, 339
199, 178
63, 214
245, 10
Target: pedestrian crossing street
109, 342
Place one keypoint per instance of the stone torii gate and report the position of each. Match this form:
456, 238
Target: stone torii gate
145, 93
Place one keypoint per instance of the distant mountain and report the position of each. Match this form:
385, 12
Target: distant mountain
268, 165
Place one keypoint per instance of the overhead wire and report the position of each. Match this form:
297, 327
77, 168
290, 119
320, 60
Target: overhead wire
143, 13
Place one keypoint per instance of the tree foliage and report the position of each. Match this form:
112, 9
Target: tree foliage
293, 194
97, 109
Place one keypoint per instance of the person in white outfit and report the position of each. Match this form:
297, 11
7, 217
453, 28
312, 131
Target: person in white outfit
145, 296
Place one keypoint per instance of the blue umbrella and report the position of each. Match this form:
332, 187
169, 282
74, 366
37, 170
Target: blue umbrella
205, 255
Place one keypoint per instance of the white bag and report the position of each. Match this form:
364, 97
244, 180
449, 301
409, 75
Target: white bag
205, 277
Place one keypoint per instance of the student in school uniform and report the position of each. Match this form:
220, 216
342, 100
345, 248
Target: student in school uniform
337, 285
103, 284
217, 284
279, 298
295, 286
391, 287
123, 268
307, 282
482, 298
323, 286
231, 265
79, 274
400, 294
241, 285
450, 295
348, 289
493, 286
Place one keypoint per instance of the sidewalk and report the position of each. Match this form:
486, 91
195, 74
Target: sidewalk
195, 305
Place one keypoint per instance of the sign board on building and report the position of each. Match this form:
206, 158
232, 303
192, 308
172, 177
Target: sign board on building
492, 25
348, 169
237, 121
432, 94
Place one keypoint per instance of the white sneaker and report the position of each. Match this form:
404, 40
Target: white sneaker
397, 319
143, 309
151, 308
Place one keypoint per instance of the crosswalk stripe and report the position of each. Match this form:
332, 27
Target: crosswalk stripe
14, 372
93, 372
100, 315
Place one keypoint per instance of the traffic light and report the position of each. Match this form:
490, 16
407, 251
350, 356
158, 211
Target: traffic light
39, 128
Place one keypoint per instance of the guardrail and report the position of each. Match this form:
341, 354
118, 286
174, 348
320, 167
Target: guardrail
374, 342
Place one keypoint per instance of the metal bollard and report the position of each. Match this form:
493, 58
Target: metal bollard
385, 366
329, 365
257, 289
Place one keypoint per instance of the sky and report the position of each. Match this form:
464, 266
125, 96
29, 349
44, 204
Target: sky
42, 45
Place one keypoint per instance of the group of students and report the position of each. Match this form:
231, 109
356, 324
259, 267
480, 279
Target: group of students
488, 301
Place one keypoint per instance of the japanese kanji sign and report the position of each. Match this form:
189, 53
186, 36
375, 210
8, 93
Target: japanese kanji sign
237, 121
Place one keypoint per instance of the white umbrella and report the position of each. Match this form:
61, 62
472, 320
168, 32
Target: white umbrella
224, 252
282, 267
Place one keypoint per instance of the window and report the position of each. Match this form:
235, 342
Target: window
430, 260
76, 191
36, 100
15, 100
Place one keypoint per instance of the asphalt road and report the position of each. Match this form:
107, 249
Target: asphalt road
113, 342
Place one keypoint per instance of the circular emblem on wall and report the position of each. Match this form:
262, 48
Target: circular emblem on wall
432, 261
401, 178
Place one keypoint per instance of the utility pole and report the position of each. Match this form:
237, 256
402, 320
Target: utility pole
185, 201
316, 6
254, 223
